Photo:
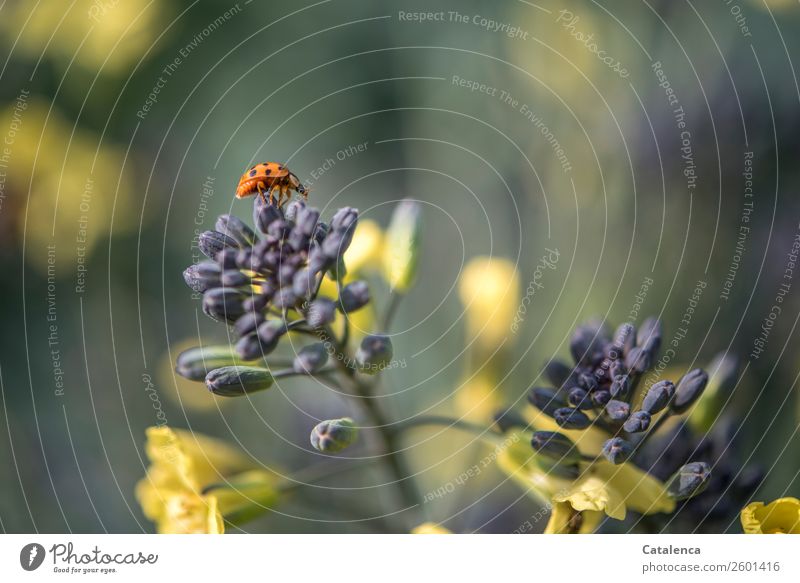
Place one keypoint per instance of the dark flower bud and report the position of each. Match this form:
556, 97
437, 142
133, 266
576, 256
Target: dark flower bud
354, 296
255, 302
264, 214
320, 232
293, 209
335, 244
689, 481
234, 278
212, 242
279, 229
202, 276
556, 446
310, 359
545, 399
334, 435
582, 344
285, 298
223, 303
194, 364
318, 260
236, 229
617, 450
298, 240
649, 337
624, 340
306, 220
249, 347
248, 322
508, 420
658, 396
638, 360
235, 381
639, 421
620, 387
577, 397
618, 410
569, 418
374, 354
321, 311
345, 219
600, 398
557, 372
227, 258
244, 259
271, 331
587, 381
304, 284
688, 390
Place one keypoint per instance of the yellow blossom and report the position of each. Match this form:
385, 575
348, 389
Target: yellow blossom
781, 516
598, 487
183, 466
489, 290
430, 528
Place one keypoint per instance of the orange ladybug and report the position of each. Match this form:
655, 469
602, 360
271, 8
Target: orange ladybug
267, 177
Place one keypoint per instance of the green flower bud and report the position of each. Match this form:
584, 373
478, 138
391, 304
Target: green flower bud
556, 446
195, 363
689, 481
401, 252
235, 381
374, 354
334, 435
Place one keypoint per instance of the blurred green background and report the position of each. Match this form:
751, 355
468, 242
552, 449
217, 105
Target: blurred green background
128, 123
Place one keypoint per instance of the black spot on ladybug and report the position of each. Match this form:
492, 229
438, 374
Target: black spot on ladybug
267, 171
252, 173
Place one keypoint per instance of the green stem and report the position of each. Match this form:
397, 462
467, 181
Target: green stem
391, 310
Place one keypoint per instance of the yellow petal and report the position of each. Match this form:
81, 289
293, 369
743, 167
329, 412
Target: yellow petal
489, 290
782, 516
517, 461
430, 528
564, 519
643, 493
595, 494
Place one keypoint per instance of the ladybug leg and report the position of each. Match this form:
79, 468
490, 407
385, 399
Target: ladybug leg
271, 195
261, 194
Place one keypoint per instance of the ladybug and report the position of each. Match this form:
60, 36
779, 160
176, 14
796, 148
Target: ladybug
267, 177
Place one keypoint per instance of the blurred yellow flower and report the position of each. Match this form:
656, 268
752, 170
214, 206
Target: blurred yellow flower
478, 398
599, 488
108, 34
781, 516
72, 187
366, 250
183, 464
489, 288
430, 528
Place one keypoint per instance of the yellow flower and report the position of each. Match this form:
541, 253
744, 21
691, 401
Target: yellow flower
599, 488
430, 528
489, 290
781, 516
478, 398
183, 464
80, 183
564, 519
366, 249
96, 34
